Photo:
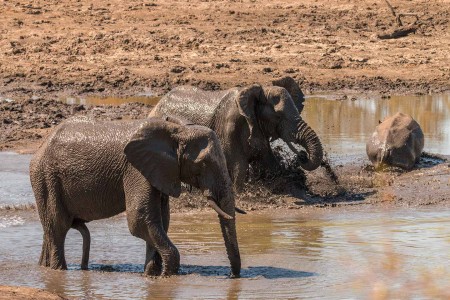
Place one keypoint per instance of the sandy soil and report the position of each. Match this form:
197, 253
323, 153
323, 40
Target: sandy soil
26, 293
127, 47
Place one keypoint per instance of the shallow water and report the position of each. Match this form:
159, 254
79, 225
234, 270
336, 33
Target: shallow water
291, 254
345, 126
15, 185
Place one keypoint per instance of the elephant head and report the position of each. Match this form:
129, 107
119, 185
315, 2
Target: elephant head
397, 141
168, 153
273, 112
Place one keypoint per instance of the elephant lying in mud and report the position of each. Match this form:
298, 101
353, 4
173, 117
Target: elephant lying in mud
246, 120
89, 170
397, 141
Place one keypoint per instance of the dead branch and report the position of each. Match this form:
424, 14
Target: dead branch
400, 31
400, 15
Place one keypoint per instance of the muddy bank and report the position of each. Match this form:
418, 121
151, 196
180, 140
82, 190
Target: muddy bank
76, 48
25, 293
25, 123
355, 185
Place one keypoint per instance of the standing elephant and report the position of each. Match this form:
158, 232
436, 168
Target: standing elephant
91, 170
246, 120
397, 141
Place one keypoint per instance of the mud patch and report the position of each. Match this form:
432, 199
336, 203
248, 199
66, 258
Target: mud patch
26, 123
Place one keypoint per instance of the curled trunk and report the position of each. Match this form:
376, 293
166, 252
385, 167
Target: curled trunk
308, 139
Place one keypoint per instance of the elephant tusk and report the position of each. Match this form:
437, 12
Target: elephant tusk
218, 210
241, 211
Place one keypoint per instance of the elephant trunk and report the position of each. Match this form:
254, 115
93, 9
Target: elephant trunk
231, 244
228, 227
309, 140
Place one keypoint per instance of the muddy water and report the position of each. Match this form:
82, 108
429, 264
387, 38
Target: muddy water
287, 254
15, 186
345, 126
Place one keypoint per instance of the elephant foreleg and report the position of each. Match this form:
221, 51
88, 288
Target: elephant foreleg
153, 261
145, 221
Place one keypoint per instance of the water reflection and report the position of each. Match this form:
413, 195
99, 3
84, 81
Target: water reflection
345, 126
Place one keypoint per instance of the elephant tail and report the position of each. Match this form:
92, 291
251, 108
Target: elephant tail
82, 228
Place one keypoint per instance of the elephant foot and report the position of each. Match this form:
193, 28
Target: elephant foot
171, 265
52, 257
154, 267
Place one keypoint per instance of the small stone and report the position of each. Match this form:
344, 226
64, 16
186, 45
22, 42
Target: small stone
177, 69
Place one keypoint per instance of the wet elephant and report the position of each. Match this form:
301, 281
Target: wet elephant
397, 141
246, 120
89, 170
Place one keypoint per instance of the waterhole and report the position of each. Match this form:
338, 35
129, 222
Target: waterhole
301, 254
341, 253
344, 126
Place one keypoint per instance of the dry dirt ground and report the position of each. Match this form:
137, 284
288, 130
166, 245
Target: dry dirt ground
26, 293
51, 49
115, 47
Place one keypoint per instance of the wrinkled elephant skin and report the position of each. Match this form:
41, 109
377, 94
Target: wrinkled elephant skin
89, 170
246, 120
398, 141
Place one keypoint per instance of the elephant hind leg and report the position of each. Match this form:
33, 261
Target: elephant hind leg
52, 254
82, 228
56, 222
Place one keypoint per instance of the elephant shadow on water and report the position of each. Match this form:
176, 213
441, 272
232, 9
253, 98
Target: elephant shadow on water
267, 272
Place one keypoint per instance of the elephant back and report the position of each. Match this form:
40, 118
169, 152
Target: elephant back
192, 103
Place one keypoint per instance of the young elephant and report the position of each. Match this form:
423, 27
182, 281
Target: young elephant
246, 120
89, 170
397, 141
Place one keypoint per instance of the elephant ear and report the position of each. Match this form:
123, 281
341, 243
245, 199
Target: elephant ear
152, 150
246, 100
293, 89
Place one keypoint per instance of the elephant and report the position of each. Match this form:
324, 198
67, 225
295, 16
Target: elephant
246, 120
88, 170
398, 141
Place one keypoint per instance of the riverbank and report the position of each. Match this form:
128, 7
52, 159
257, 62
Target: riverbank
355, 186
77, 48
26, 293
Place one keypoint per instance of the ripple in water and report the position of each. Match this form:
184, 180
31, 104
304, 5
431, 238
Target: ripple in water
11, 221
